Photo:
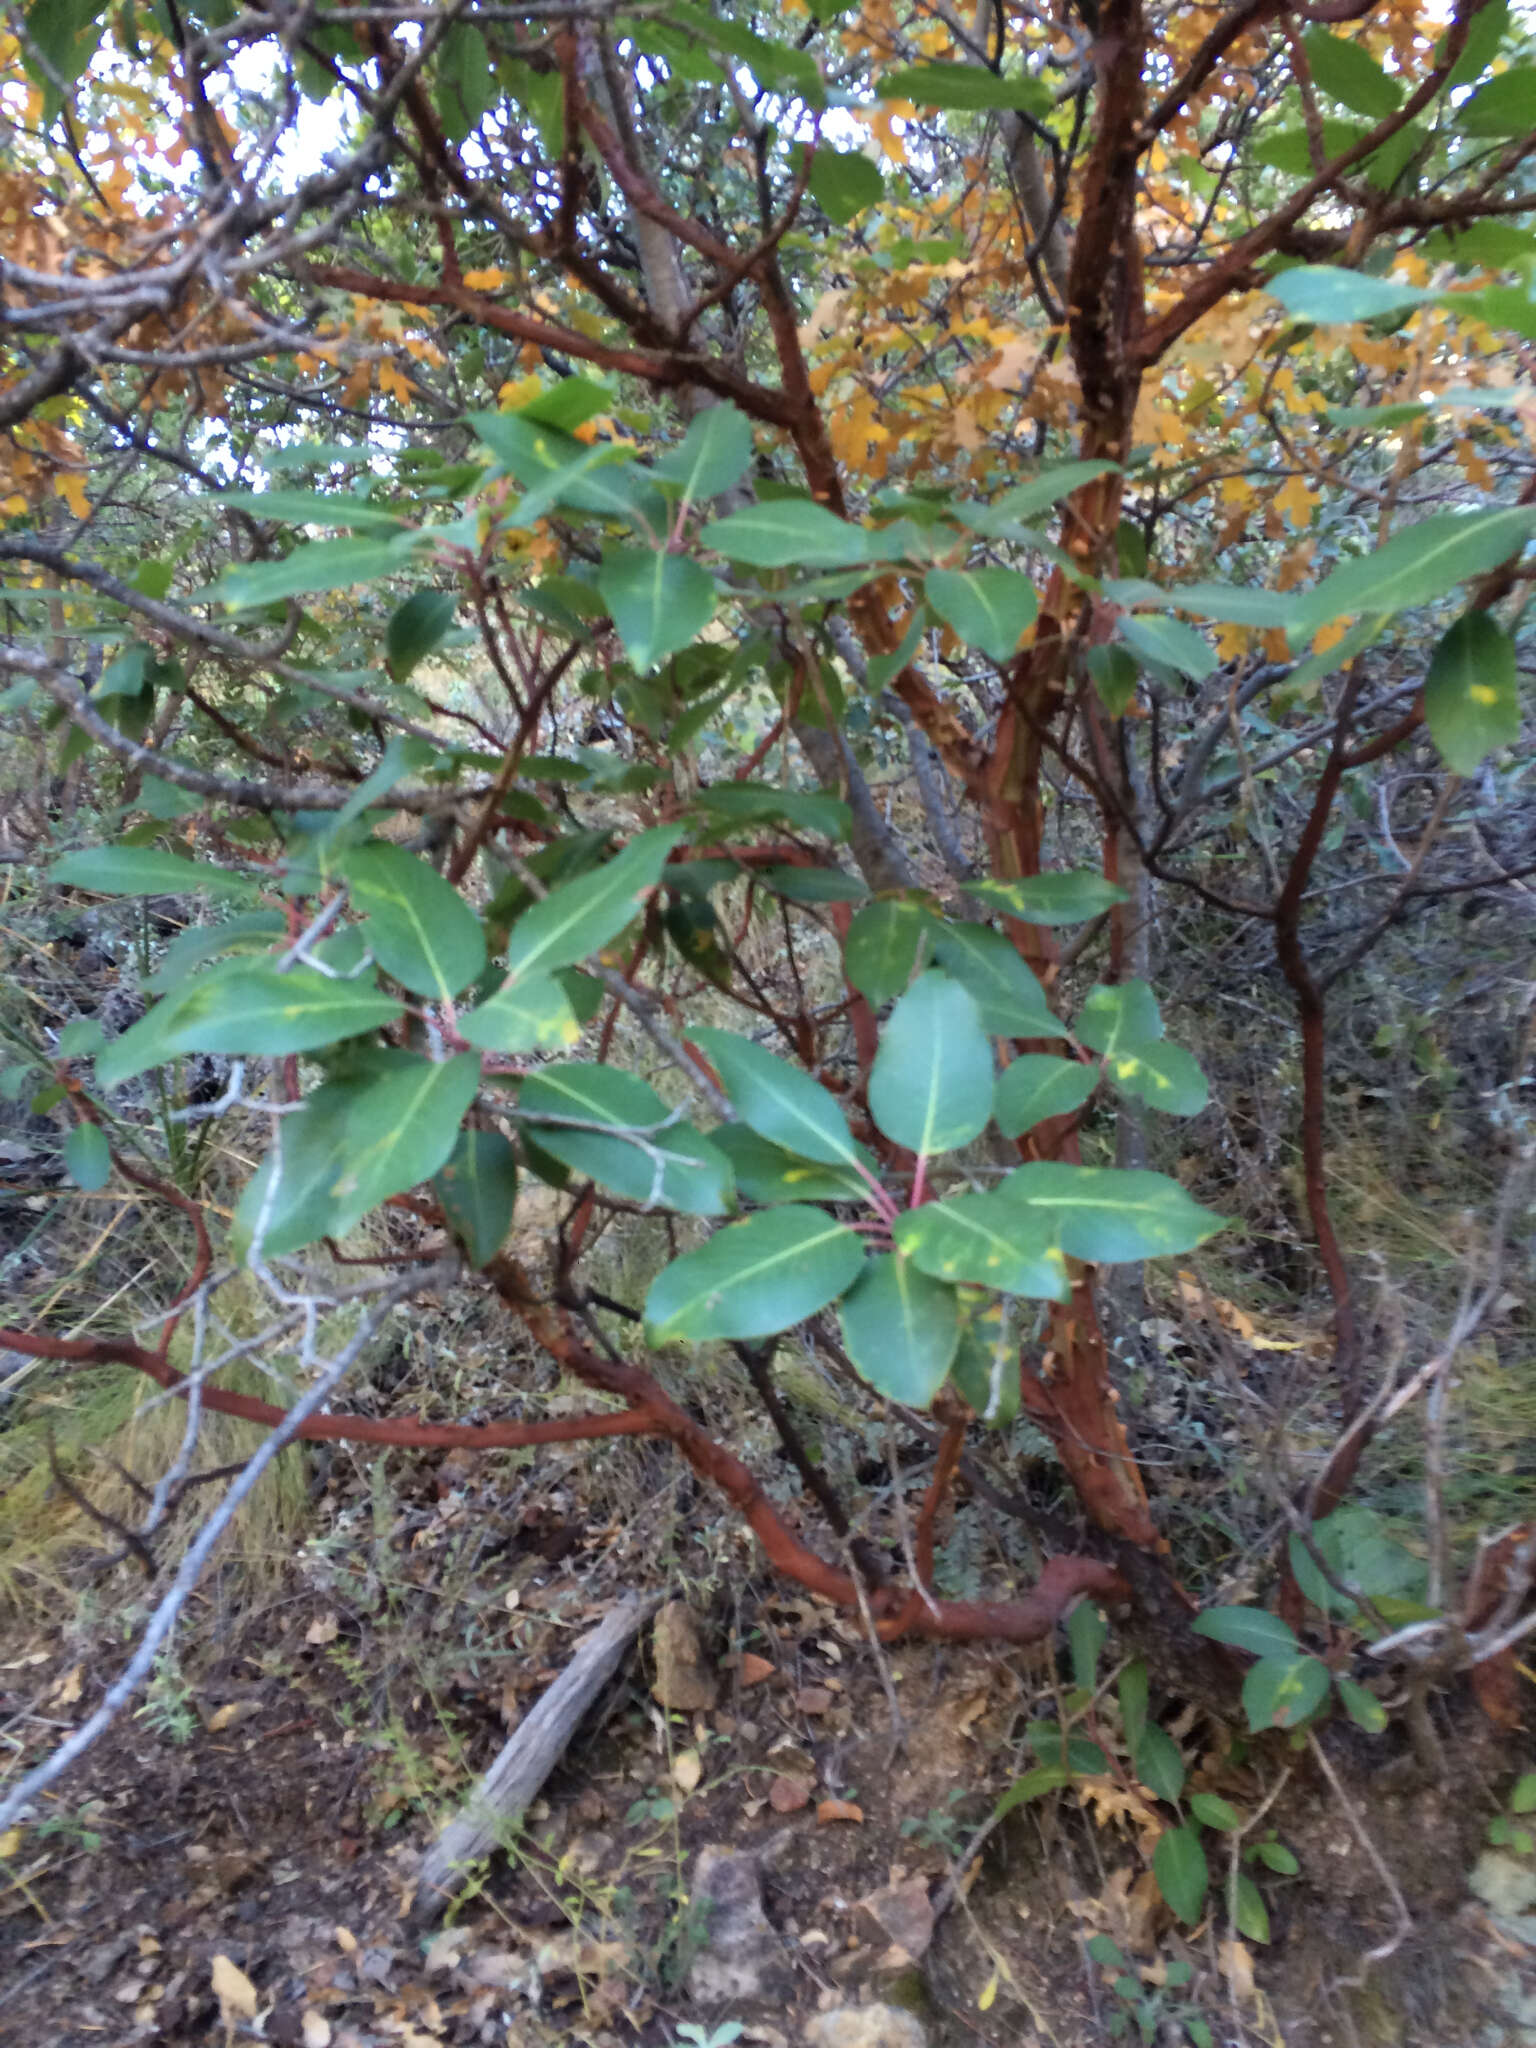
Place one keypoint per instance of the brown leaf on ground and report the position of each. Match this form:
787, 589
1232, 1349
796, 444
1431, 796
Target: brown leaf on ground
754, 1669
234, 1991
838, 1809
813, 1699
789, 1795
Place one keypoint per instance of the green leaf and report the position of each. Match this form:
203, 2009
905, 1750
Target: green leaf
774, 64
351, 1146
1417, 565
1469, 694
1073, 1753
1523, 1798
1275, 1856
1036, 1086
1118, 1014
478, 1191
466, 80
900, 1328
532, 1014
715, 453
1157, 1761
1169, 643
930, 1088
1348, 73
1252, 1914
1163, 1076
981, 1238
567, 404
1115, 675
985, 1368
126, 676
1038, 494
658, 602
1087, 1632
781, 533
1485, 31
313, 566
778, 1101
417, 627
1362, 1707
1253, 1629
419, 927
881, 948
66, 34
144, 871
1506, 105
556, 469
641, 1150
767, 1174
1332, 297
578, 918
249, 1011
1108, 1213
1232, 603
964, 88
813, 885
88, 1157
1032, 1785
1102, 1950
1214, 1812
844, 182
1010, 1000
754, 1278
313, 508
755, 803
251, 931
1178, 1864
1283, 1691
1051, 899
82, 1038
1133, 1691
990, 609
1383, 418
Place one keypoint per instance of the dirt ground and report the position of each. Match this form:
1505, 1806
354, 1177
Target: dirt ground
237, 1861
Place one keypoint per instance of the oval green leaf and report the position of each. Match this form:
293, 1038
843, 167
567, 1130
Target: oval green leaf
574, 920
990, 609
636, 1147
1253, 1629
779, 1102
1282, 1692
659, 603
754, 1278
88, 1157
1051, 899
419, 929
1037, 1085
985, 1239
1011, 1001
478, 1191
1108, 1214
1470, 705
1179, 1865
930, 1088
881, 948
900, 1329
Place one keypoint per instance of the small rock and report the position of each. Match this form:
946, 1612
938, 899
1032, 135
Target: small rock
1502, 1883
865, 2026
900, 1914
684, 1681
741, 1957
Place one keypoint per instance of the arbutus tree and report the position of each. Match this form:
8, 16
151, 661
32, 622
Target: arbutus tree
1111, 416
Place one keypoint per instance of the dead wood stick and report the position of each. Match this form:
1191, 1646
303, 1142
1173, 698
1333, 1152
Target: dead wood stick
527, 1757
